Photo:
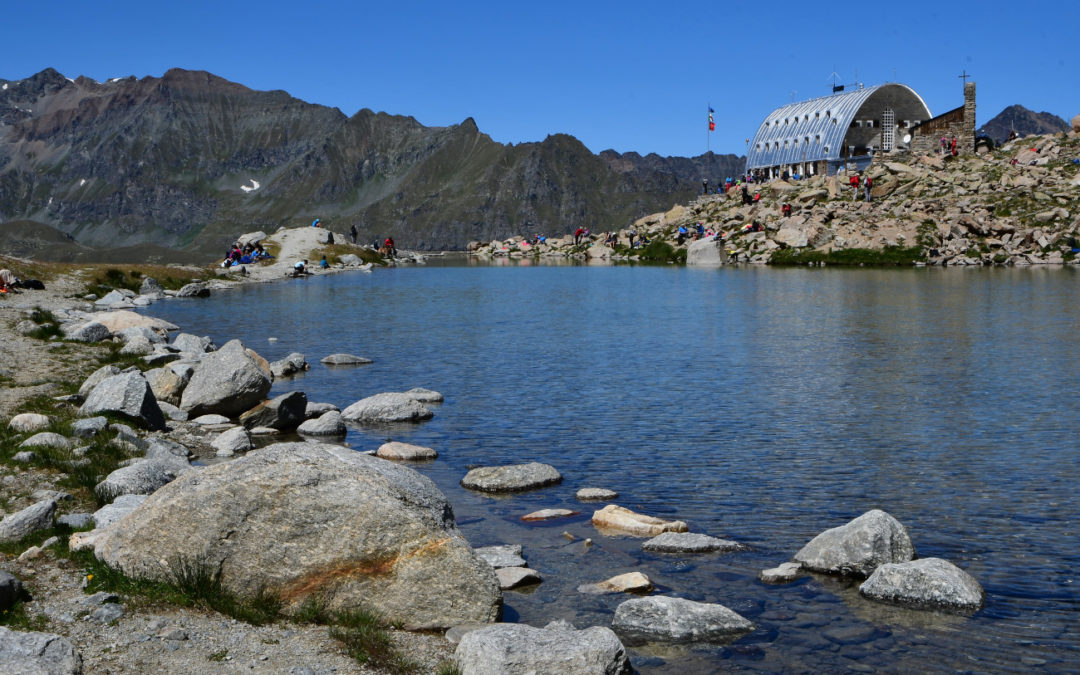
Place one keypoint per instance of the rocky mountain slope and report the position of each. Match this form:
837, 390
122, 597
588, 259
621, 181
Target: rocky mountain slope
188, 159
1019, 205
1023, 121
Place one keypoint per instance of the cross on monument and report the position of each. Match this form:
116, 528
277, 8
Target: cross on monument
964, 75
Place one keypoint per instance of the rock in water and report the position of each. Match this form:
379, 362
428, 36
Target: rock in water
307, 519
930, 583
405, 451
631, 582
557, 649
514, 577
511, 478
345, 360
858, 547
425, 395
227, 382
330, 423
705, 252
387, 408
505, 555
684, 542
126, 394
676, 620
622, 520
596, 494
37, 654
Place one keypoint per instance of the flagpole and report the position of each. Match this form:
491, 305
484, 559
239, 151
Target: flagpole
708, 134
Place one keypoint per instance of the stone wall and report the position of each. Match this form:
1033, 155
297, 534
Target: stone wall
926, 137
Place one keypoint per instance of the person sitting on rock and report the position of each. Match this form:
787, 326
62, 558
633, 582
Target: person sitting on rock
323, 264
300, 269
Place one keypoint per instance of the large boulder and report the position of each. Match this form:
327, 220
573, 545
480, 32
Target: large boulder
126, 394
706, 252
31, 519
511, 478
37, 654
227, 382
928, 583
1076, 123
281, 412
556, 649
387, 408
795, 237
662, 618
302, 520
11, 590
859, 547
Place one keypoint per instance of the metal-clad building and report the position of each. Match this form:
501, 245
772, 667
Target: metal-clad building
824, 134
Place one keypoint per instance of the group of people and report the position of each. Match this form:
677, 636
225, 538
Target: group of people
251, 252
867, 184
947, 146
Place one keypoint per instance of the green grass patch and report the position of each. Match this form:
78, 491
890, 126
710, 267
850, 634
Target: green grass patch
334, 252
130, 277
448, 668
660, 251
363, 632
17, 618
888, 256
218, 656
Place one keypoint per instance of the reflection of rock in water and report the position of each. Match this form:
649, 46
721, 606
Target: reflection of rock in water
882, 614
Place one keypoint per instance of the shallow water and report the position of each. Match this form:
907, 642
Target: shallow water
761, 405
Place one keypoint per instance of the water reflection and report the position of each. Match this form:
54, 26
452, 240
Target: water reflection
760, 405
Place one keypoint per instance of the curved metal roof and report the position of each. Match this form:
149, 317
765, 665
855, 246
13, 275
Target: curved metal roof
812, 130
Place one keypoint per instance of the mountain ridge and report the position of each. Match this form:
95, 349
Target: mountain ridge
164, 160
1017, 118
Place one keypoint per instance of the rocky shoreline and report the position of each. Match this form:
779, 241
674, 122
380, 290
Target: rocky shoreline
180, 398
1016, 206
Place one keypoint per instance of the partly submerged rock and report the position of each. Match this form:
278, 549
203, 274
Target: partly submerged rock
549, 514
330, 423
284, 412
344, 360
781, 574
631, 582
405, 451
590, 494
557, 649
515, 577
927, 583
387, 408
686, 542
425, 395
511, 478
615, 518
858, 547
663, 618
232, 441
504, 555
357, 530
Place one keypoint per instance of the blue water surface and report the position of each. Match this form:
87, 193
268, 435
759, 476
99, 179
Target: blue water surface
757, 404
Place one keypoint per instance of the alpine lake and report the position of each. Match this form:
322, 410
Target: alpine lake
762, 405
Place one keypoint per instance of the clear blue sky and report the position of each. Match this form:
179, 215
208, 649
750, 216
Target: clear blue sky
629, 75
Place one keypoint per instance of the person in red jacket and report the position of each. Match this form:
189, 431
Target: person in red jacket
854, 183
577, 235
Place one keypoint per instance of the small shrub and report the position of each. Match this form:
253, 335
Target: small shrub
448, 668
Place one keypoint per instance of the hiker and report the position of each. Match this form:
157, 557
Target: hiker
854, 182
577, 235
704, 186
352, 233
630, 235
746, 196
323, 264
952, 146
944, 145
867, 184
300, 269
316, 223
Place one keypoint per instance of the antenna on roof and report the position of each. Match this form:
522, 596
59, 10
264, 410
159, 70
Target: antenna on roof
793, 92
836, 87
